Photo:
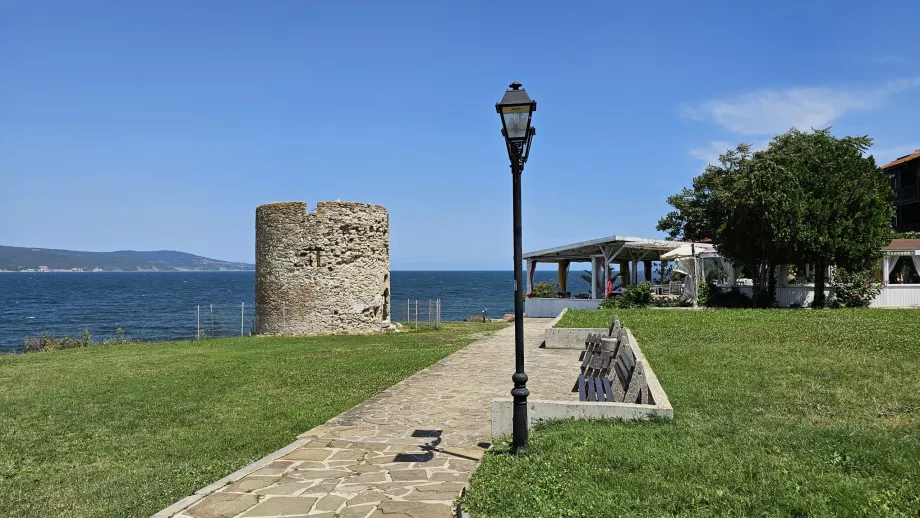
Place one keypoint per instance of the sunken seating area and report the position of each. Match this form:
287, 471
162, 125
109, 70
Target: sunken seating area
608, 378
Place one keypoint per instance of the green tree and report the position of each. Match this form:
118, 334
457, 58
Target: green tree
699, 211
809, 197
762, 207
842, 201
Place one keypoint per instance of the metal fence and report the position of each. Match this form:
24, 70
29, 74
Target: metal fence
417, 312
229, 320
224, 320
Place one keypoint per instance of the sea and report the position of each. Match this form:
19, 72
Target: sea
160, 306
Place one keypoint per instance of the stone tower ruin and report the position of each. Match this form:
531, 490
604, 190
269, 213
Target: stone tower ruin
322, 272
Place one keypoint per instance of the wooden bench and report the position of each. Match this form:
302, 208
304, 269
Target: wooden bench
594, 341
610, 371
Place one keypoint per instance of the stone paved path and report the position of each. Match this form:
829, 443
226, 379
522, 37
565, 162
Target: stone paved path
407, 452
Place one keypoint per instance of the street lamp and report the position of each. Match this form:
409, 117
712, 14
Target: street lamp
516, 109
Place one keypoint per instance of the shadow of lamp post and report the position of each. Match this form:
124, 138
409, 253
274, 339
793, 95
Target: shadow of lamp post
516, 109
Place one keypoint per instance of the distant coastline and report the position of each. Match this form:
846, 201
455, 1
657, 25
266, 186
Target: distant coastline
126, 271
48, 260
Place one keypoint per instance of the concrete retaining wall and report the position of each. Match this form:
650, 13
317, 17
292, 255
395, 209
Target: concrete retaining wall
569, 337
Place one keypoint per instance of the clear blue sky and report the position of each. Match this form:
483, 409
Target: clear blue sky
162, 125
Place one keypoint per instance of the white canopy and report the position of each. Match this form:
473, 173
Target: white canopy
686, 250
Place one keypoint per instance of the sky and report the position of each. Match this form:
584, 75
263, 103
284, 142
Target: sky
162, 125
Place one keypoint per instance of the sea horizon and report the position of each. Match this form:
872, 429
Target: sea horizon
164, 306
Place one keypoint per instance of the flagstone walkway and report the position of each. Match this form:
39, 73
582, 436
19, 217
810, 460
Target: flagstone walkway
405, 453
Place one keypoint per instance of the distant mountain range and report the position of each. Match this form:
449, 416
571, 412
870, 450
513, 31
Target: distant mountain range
17, 259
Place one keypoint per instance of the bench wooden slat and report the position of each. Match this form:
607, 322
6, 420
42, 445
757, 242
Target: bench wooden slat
599, 389
610, 370
606, 384
587, 360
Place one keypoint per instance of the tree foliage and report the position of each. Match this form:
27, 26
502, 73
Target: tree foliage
808, 198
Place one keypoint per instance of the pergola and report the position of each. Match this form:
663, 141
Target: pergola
601, 253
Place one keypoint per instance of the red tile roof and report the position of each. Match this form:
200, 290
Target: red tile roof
904, 244
913, 156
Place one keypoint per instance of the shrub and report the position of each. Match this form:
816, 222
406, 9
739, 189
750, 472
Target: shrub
544, 289
667, 303
854, 289
712, 296
636, 296
46, 342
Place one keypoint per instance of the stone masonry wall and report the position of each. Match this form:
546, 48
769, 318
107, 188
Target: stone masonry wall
322, 272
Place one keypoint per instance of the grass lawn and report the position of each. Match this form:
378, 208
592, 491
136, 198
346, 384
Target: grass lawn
122, 431
777, 413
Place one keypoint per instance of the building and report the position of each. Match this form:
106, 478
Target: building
625, 251
905, 180
899, 272
322, 272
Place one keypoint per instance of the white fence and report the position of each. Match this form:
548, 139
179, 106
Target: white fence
898, 296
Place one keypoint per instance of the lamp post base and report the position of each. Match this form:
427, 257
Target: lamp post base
519, 417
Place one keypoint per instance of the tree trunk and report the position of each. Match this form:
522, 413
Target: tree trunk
820, 267
771, 284
764, 285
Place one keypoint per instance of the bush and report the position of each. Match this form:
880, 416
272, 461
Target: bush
546, 289
609, 303
635, 296
854, 289
668, 303
46, 342
712, 296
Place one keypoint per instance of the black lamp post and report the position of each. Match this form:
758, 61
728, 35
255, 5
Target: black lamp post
516, 109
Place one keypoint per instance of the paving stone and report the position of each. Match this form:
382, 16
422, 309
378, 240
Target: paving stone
270, 470
450, 477
311, 464
357, 512
412, 510
461, 465
438, 462
316, 474
282, 506
322, 488
416, 495
367, 478
309, 454
408, 474
367, 497
287, 489
221, 505
381, 459
250, 483
329, 503
348, 455
364, 468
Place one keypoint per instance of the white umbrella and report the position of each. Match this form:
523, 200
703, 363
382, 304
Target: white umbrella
686, 250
